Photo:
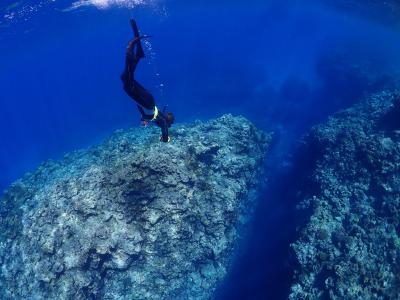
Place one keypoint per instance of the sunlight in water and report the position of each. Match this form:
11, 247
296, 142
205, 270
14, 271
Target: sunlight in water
24, 10
107, 3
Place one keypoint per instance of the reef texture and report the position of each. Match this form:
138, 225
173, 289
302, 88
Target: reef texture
349, 246
133, 218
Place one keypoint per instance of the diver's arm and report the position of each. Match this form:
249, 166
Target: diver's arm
164, 130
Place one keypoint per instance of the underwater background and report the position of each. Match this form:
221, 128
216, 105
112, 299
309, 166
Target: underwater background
284, 65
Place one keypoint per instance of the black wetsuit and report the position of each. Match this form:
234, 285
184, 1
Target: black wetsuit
135, 90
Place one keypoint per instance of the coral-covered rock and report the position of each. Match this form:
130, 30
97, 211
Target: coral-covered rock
132, 218
349, 247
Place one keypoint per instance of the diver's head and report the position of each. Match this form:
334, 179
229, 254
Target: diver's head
170, 118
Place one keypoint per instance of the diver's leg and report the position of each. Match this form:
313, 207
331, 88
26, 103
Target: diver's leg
137, 92
142, 96
128, 73
132, 58
131, 62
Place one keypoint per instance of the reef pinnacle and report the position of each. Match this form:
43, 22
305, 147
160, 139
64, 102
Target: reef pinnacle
132, 218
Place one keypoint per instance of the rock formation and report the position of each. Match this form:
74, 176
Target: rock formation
133, 218
349, 246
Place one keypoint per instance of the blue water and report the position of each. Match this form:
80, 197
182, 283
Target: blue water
286, 65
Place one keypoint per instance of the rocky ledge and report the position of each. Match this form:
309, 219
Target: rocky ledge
349, 246
133, 218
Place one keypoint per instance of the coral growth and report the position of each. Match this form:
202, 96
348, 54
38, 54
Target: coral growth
132, 218
349, 247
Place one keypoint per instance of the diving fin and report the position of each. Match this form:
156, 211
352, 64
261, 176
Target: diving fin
140, 52
135, 28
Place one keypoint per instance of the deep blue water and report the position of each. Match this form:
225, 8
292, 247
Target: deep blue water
285, 65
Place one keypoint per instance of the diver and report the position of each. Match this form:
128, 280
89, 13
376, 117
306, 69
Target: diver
144, 99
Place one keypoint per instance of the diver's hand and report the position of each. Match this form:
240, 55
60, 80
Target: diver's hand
167, 140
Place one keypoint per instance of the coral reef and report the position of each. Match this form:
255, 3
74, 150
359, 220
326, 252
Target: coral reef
349, 244
133, 218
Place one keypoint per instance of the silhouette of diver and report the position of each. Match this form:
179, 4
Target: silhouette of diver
143, 98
